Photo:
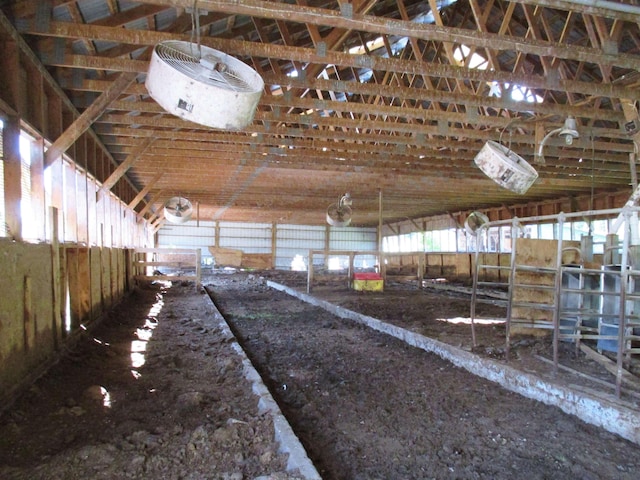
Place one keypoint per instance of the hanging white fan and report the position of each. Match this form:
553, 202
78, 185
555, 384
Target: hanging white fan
339, 214
474, 221
203, 85
505, 167
178, 210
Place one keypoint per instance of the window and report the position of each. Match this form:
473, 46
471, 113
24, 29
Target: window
26, 207
546, 231
516, 92
499, 238
461, 55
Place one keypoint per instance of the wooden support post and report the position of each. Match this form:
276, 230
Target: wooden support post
327, 239
12, 177
29, 329
56, 320
73, 284
421, 268
274, 244
381, 259
352, 256
310, 272
198, 269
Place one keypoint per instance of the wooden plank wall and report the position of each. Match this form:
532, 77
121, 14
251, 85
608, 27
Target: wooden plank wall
454, 267
31, 334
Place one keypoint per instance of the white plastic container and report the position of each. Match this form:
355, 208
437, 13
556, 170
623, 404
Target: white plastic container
505, 167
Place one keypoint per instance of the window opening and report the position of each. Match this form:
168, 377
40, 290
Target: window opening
26, 207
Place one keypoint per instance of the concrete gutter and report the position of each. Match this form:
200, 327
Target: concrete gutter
614, 416
298, 461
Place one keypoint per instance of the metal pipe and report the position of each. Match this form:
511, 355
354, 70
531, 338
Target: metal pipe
624, 281
557, 287
510, 292
476, 272
539, 158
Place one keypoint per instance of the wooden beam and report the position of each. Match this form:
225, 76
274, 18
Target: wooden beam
383, 133
148, 206
158, 226
84, 121
153, 217
157, 217
124, 166
57, 283
380, 25
255, 49
6, 108
382, 144
607, 9
392, 110
144, 191
409, 93
60, 99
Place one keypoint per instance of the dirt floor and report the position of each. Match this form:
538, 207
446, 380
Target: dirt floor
155, 392
365, 405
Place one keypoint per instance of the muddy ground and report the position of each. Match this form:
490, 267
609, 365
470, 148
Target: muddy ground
156, 392
365, 405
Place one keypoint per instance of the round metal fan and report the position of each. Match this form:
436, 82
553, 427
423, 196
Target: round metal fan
505, 167
339, 214
178, 210
474, 221
203, 85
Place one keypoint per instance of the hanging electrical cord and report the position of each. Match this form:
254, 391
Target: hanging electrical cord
195, 29
593, 167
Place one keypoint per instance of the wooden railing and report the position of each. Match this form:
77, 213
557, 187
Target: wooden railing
147, 262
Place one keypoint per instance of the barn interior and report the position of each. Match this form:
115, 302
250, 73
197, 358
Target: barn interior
189, 141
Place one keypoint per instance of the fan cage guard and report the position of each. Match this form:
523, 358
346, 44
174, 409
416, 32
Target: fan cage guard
203, 85
338, 215
178, 215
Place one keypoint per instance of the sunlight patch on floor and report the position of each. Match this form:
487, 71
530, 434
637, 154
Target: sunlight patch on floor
144, 334
467, 320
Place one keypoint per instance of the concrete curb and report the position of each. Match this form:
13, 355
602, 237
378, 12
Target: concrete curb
612, 416
283, 433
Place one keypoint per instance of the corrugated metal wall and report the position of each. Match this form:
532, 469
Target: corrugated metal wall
291, 240
248, 237
188, 235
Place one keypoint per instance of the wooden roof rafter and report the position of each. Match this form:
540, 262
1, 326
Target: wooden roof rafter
403, 114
